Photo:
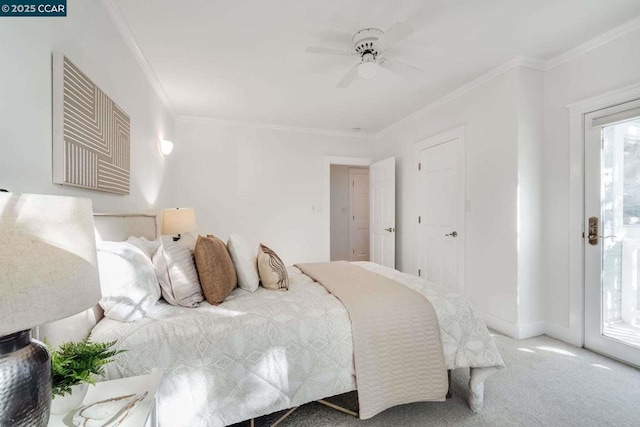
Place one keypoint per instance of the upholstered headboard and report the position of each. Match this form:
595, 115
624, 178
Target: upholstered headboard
112, 227
119, 227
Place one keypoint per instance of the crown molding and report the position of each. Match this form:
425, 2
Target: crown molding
527, 62
127, 35
595, 43
267, 126
519, 61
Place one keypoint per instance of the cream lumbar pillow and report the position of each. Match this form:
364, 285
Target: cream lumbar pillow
128, 281
273, 273
215, 269
245, 262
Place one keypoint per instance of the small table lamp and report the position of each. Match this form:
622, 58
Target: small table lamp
177, 221
48, 271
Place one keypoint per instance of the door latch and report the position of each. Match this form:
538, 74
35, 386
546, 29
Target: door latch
593, 231
452, 234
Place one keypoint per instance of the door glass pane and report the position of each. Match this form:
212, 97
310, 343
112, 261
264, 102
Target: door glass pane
621, 225
631, 197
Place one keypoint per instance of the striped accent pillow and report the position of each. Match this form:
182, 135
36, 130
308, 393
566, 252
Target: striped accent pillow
273, 273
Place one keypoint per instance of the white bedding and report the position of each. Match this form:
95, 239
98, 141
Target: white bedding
261, 352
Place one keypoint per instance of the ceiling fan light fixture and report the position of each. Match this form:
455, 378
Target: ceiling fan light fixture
369, 44
368, 68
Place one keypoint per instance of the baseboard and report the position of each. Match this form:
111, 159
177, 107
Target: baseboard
533, 329
530, 330
513, 330
563, 333
504, 327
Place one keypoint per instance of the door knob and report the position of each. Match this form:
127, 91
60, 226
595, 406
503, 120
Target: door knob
452, 234
390, 229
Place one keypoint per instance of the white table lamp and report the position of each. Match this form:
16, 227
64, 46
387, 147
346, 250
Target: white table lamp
48, 271
177, 221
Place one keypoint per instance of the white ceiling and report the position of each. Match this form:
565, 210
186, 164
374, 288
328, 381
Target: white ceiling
245, 60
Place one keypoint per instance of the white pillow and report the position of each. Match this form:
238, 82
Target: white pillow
182, 272
245, 261
153, 249
178, 292
128, 281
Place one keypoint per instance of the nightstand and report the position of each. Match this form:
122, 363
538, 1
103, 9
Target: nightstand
143, 415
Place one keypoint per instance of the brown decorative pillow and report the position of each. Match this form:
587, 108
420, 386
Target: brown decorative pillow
215, 269
273, 273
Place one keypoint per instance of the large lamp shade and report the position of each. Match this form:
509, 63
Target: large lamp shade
48, 271
178, 220
48, 261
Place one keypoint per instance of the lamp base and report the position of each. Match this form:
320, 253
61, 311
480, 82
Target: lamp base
25, 386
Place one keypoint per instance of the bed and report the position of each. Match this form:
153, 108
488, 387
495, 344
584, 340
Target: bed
258, 353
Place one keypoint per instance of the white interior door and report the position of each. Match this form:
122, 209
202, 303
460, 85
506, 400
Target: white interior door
359, 214
382, 199
612, 231
440, 247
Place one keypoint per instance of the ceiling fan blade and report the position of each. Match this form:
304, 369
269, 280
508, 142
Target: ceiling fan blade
401, 68
329, 51
397, 32
349, 77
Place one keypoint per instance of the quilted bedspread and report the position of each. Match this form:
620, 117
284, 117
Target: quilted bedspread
263, 352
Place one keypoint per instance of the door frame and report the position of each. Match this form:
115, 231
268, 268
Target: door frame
458, 133
594, 339
574, 334
326, 209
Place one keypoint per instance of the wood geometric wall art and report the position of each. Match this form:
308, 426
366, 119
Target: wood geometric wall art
91, 144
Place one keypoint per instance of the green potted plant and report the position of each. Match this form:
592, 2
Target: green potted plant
75, 365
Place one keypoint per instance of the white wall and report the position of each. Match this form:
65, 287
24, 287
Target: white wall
530, 110
339, 212
489, 113
89, 38
608, 67
268, 185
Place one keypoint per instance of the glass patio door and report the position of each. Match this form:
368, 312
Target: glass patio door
612, 232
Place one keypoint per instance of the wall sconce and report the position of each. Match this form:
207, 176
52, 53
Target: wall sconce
166, 146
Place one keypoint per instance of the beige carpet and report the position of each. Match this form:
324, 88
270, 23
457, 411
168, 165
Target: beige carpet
546, 383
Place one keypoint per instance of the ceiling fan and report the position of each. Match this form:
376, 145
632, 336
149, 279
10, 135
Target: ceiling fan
369, 44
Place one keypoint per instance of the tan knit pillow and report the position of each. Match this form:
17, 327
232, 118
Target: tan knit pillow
273, 273
215, 269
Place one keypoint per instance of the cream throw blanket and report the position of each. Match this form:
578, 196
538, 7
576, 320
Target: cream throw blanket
396, 338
